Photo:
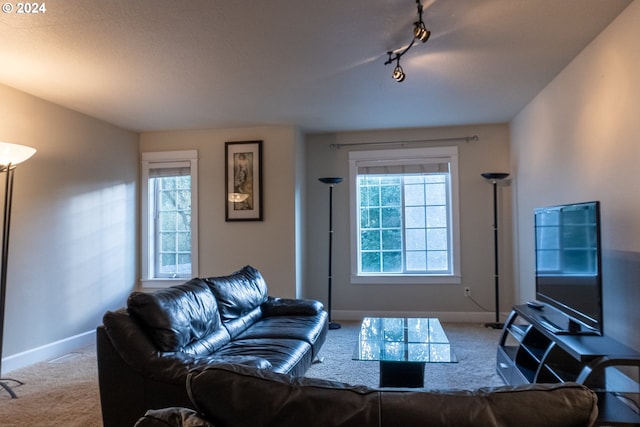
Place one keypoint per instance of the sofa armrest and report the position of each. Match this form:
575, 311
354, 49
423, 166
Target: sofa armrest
138, 352
173, 417
290, 307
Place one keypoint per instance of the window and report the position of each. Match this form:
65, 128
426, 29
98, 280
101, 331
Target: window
169, 217
404, 215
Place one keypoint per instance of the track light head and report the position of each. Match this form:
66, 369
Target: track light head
420, 32
398, 73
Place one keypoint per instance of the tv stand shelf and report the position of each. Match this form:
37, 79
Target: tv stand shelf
529, 352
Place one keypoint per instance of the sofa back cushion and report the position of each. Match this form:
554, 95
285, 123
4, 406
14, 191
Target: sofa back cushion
239, 293
234, 395
534, 405
177, 317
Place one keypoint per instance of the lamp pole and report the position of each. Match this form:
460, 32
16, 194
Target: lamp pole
494, 177
331, 181
10, 156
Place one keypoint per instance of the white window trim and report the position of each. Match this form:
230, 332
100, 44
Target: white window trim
148, 161
450, 154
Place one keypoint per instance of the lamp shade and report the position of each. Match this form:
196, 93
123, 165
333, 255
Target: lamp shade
14, 153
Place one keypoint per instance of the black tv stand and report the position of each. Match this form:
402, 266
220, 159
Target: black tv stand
531, 351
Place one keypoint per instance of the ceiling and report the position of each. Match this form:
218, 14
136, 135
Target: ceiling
318, 65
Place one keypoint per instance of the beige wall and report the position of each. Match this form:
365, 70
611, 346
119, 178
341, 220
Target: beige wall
73, 248
578, 140
489, 154
270, 245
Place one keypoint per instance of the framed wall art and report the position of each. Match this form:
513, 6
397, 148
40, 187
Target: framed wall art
243, 181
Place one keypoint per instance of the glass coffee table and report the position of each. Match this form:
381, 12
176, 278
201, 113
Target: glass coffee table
403, 346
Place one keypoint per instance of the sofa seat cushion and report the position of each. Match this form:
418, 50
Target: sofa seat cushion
178, 316
286, 356
249, 397
305, 328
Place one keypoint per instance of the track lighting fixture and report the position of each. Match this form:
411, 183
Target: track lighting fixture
421, 33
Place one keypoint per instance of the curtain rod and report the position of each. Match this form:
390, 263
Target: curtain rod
415, 141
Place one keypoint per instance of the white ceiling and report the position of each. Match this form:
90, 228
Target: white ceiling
188, 64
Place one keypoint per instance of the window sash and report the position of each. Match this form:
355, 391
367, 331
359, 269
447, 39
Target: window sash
397, 250
166, 228
426, 160
184, 245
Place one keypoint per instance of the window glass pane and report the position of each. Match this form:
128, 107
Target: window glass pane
370, 240
167, 242
391, 217
416, 239
370, 196
390, 195
436, 216
391, 262
184, 264
371, 262
437, 260
416, 261
413, 179
184, 242
167, 221
436, 194
391, 239
414, 195
437, 239
168, 264
370, 218
415, 217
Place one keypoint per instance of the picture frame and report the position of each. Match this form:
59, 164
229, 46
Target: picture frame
243, 181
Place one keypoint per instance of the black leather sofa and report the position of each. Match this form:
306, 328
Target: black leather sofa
241, 396
146, 350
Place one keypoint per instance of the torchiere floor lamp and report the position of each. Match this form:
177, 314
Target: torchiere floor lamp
332, 181
10, 156
494, 177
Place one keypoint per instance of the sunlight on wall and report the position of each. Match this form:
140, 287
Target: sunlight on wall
100, 228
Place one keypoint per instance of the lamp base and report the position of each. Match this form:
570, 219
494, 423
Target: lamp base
334, 325
494, 325
5, 386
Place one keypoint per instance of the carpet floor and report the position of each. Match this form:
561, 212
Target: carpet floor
64, 391
474, 345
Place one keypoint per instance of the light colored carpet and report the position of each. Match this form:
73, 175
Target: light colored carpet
64, 391
60, 392
473, 344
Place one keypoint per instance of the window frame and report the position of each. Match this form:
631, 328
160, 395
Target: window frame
157, 160
448, 154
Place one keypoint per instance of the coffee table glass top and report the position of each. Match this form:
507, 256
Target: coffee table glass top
400, 339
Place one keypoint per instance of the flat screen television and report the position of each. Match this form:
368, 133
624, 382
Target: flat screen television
569, 267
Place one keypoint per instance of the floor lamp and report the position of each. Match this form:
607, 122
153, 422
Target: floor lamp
331, 181
10, 156
494, 177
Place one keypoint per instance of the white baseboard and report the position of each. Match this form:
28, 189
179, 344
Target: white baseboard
47, 351
445, 316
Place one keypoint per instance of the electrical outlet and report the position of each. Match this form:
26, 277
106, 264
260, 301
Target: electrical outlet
467, 291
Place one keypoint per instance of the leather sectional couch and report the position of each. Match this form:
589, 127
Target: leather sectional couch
241, 396
146, 350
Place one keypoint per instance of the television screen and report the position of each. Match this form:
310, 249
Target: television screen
568, 265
